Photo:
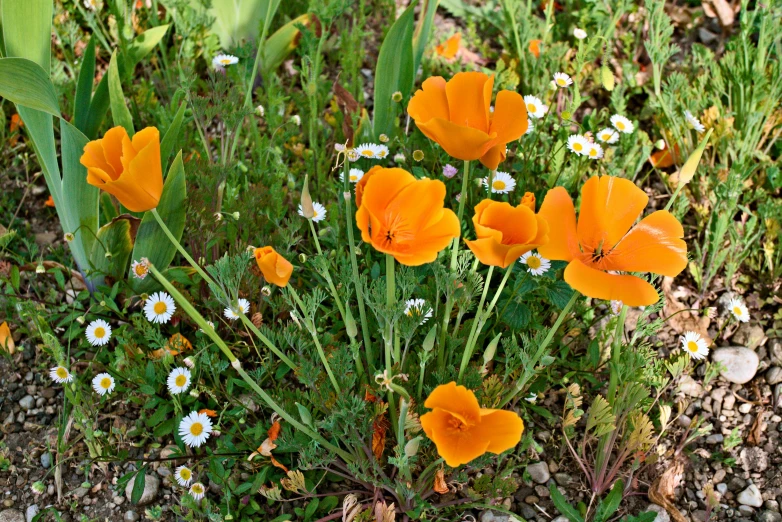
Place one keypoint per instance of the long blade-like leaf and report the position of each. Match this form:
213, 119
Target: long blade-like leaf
24, 82
119, 109
84, 87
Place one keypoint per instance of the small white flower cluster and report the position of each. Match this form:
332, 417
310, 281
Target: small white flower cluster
371, 151
418, 308
583, 146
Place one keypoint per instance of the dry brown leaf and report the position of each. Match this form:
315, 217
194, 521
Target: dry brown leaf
349, 107
722, 10
379, 429
439, 482
662, 489
756, 431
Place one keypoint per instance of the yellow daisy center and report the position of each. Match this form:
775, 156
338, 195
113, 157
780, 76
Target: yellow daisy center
620, 125
62, 373
353, 178
561, 81
225, 61
99, 332
367, 152
196, 428
160, 307
692, 346
531, 107
314, 214
197, 488
180, 380
498, 184
593, 152
578, 147
141, 270
533, 262
606, 137
105, 383
185, 474
737, 311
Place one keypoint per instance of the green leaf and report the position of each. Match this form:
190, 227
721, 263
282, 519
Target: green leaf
564, 507
23, 82
169, 139
138, 485
423, 31
84, 87
151, 241
236, 20
119, 110
394, 72
311, 508
27, 30
143, 44
279, 45
98, 108
115, 239
610, 503
516, 315
559, 294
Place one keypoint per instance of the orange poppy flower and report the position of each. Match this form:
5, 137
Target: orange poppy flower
49, 201
462, 430
405, 217
128, 169
208, 412
363, 183
505, 232
534, 48
602, 241
450, 47
456, 115
6, 339
276, 269
662, 159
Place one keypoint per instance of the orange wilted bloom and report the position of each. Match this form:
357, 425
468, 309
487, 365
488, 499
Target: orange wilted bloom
208, 412
505, 232
276, 269
128, 169
456, 115
405, 217
49, 201
16, 122
462, 430
450, 47
605, 241
534, 48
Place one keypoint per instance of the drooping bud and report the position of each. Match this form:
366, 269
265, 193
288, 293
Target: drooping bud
350, 322
488, 354
307, 210
688, 170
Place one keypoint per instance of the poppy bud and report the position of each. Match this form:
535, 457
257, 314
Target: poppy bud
411, 448
607, 77
688, 170
488, 355
429, 340
350, 323
307, 210
304, 413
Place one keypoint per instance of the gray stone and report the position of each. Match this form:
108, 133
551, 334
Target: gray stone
11, 515
775, 351
490, 516
737, 483
80, 492
130, 516
769, 516
688, 386
774, 375
753, 459
740, 363
31, 512
527, 511
749, 335
151, 487
539, 472
750, 497
563, 479
46, 460
722, 488
560, 518
715, 438
684, 421
729, 402
27, 402
662, 514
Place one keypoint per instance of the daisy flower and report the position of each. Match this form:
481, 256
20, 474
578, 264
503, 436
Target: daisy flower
616, 307
622, 124
579, 33
221, 60
320, 212
739, 309
693, 122
594, 151
232, 314
197, 491
178, 380
694, 345
562, 80
501, 182
535, 107
296, 119
140, 269
60, 374
578, 144
450, 171
354, 175
98, 332
382, 151
159, 307
530, 127
195, 429
399, 157
91, 4
536, 263
608, 135
353, 155
103, 383
417, 307
183, 476
369, 150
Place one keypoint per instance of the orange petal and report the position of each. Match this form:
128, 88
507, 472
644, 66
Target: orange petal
502, 428
457, 400
112, 148
489, 252
631, 290
455, 446
653, 245
496, 155
430, 101
469, 98
93, 158
450, 47
6, 339
517, 224
557, 209
384, 187
460, 142
509, 120
534, 48
432, 240
609, 207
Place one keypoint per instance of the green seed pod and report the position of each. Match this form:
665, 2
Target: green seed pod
607, 77
350, 322
429, 340
488, 355
411, 448
304, 413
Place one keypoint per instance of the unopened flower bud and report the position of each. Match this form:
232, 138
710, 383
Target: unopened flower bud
68, 237
397, 96
236, 215
411, 448
383, 138
189, 362
350, 323
296, 119
194, 393
218, 216
38, 487
40, 269
260, 111
399, 158
266, 291
80, 319
429, 339
418, 155
659, 144
302, 258
488, 354
307, 210
688, 170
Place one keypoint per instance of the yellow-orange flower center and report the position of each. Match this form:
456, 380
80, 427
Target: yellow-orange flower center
353, 178
620, 125
105, 383
737, 311
593, 152
367, 152
561, 81
533, 262
160, 307
185, 474
196, 428
531, 107
198, 489
457, 425
180, 380
692, 346
99, 332
225, 61
141, 270
578, 147
62, 373
498, 184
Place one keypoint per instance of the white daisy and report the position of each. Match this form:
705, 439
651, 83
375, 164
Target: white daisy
370, 150
532, 398
693, 122
183, 476
622, 124
579, 33
501, 182
399, 157
418, 308
91, 4
60, 374
98, 332
320, 212
536, 263
694, 345
354, 175
296, 119
178, 380
103, 383
140, 269
221, 60
739, 309
195, 429
608, 135
578, 144
535, 107
197, 491
562, 80
159, 307
382, 151
353, 155
232, 314
594, 151
530, 127
616, 307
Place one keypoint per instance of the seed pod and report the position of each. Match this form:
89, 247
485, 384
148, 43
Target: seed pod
350, 322
411, 448
304, 413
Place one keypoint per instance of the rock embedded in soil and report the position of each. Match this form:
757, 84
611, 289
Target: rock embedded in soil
151, 488
27, 402
741, 364
774, 375
750, 497
688, 386
539, 472
11, 515
769, 516
490, 516
46, 460
31, 512
662, 514
130, 516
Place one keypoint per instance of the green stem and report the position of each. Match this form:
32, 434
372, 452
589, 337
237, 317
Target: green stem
549, 337
388, 336
315, 237
616, 345
265, 340
209, 331
181, 249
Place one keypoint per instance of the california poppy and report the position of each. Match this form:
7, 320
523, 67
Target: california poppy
363, 183
6, 339
456, 115
603, 242
506, 232
665, 158
462, 430
405, 217
276, 269
49, 201
534, 48
128, 169
450, 47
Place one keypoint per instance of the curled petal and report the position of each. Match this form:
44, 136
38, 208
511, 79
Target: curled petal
631, 290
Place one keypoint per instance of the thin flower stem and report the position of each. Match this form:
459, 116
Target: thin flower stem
388, 336
315, 237
265, 340
541, 350
181, 249
209, 331
476, 320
